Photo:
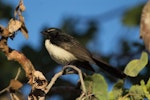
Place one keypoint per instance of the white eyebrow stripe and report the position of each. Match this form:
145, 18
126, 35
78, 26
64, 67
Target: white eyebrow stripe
50, 30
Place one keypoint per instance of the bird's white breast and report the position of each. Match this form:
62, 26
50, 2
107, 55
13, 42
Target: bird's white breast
58, 54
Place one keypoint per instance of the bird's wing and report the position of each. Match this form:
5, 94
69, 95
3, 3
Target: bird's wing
73, 46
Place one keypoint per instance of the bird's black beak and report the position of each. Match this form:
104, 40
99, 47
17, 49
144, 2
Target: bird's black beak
44, 33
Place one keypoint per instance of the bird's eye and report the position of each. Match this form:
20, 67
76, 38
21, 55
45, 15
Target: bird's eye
56, 33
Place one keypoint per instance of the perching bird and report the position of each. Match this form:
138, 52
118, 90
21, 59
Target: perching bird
65, 49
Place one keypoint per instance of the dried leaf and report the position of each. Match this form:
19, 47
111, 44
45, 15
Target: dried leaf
24, 31
21, 18
39, 80
15, 12
23, 27
15, 84
18, 11
4, 31
3, 46
21, 6
14, 25
145, 25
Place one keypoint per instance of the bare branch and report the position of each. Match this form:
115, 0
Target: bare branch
53, 80
56, 76
36, 78
18, 73
80, 75
14, 85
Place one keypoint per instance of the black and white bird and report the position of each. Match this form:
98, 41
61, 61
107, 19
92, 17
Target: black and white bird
65, 49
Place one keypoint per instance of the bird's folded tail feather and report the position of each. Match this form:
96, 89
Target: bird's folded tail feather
108, 68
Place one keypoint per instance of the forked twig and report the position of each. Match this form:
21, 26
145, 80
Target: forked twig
57, 75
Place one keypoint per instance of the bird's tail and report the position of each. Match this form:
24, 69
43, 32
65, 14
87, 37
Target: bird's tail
108, 68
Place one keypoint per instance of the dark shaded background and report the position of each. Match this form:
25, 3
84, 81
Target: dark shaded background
41, 60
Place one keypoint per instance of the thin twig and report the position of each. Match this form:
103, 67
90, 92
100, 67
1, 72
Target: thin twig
16, 77
2, 91
53, 80
18, 73
57, 75
13, 96
80, 75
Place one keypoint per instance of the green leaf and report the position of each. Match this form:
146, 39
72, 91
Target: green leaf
136, 92
117, 91
148, 85
135, 66
97, 86
145, 90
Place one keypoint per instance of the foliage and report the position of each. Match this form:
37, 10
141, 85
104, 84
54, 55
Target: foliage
135, 66
97, 86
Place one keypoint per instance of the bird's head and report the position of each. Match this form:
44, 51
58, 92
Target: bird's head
51, 32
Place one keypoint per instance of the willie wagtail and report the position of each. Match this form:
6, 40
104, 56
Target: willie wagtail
65, 49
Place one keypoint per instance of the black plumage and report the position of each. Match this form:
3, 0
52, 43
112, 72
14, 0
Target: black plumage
74, 52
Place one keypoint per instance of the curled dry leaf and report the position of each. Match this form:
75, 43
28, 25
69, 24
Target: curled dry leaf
23, 27
15, 12
39, 80
21, 18
145, 25
24, 31
21, 6
15, 84
3, 46
18, 12
4, 31
13, 26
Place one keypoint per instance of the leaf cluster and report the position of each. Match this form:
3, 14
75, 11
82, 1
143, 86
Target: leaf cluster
97, 86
